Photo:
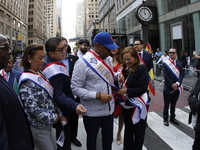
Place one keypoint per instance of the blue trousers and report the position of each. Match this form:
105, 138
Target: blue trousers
92, 126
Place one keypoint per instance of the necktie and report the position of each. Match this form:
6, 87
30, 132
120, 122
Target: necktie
140, 55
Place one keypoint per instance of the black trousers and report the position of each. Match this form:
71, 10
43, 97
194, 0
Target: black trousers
133, 133
92, 126
73, 125
67, 142
170, 99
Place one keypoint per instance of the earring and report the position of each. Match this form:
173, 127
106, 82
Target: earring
29, 61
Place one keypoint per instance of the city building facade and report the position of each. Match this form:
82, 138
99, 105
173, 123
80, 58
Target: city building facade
14, 22
36, 22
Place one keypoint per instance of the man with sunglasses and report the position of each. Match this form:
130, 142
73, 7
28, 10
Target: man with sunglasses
145, 56
14, 127
173, 74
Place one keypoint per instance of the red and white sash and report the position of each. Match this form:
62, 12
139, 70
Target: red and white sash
139, 105
55, 68
99, 67
37, 79
2, 72
172, 67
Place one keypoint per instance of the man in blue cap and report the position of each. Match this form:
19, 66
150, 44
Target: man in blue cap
92, 79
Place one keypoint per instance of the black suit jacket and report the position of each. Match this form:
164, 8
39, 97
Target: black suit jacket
72, 59
171, 78
62, 90
15, 131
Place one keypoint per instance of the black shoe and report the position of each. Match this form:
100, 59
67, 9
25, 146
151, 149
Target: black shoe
174, 121
166, 123
76, 142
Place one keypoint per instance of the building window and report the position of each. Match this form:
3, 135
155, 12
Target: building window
30, 42
8, 30
30, 13
31, 6
8, 18
1, 13
1, 27
30, 19
30, 26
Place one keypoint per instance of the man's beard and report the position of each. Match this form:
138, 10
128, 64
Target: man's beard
83, 50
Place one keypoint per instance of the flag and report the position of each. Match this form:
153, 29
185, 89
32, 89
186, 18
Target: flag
151, 86
15, 86
148, 48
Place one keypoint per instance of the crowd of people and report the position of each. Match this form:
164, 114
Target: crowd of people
54, 87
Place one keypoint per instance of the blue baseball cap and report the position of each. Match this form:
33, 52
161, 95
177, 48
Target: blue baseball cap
105, 39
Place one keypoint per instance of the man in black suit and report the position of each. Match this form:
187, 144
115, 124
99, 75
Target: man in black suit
69, 62
15, 132
146, 56
173, 74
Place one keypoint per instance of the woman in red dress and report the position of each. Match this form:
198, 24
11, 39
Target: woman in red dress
116, 63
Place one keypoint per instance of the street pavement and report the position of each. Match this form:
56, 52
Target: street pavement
158, 136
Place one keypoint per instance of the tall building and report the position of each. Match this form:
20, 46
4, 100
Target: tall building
91, 12
176, 23
36, 22
14, 22
179, 24
51, 16
80, 20
107, 15
59, 14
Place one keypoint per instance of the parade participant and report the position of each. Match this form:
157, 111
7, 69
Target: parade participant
91, 80
83, 45
135, 81
116, 63
11, 75
36, 94
15, 131
173, 74
59, 78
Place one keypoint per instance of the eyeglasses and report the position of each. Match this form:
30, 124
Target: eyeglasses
61, 49
5, 47
172, 52
136, 44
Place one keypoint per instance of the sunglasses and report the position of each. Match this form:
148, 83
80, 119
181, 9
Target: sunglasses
136, 44
5, 47
172, 52
61, 49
